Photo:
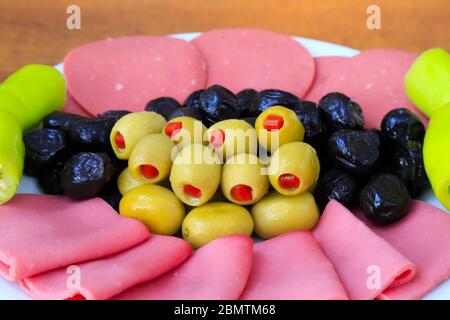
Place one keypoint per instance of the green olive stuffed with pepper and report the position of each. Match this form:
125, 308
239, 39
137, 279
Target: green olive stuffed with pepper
151, 158
277, 126
184, 131
126, 182
294, 168
232, 137
131, 128
195, 174
244, 179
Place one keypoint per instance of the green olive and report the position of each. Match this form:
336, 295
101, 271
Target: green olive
294, 168
231, 137
244, 179
214, 220
195, 174
131, 128
276, 214
151, 158
155, 206
277, 126
126, 182
184, 131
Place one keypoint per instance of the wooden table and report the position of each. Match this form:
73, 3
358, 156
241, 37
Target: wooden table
35, 31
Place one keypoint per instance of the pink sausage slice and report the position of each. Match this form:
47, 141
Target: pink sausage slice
72, 106
424, 237
216, 271
248, 58
325, 66
39, 233
125, 73
366, 263
107, 277
292, 267
374, 79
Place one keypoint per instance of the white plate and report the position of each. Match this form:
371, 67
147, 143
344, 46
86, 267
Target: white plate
317, 48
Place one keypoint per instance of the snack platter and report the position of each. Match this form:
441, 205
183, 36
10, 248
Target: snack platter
29, 185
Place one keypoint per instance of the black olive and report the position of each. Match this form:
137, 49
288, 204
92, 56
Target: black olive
309, 115
164, 106
401, 125
385, 199
407, 164
353, 151
111, 194
375, 134
245, 99
193, 100
50, 181
187, 112
85, 174
273, 97
340, 112
338, 185
217, 104
92, 135
250, 120
61, 120
114, 115
44, 148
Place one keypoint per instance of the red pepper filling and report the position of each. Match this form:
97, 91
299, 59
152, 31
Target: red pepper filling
192, 191
289, 181
273, 122
217, 138
119, 141
148, 171
241, 192
172, 128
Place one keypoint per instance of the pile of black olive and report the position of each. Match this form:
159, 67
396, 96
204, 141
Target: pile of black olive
379, 170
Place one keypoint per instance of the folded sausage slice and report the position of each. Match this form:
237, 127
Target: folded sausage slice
72, 106
107, 277
216, 271
366, 263
39, 233
292, 267
424, 237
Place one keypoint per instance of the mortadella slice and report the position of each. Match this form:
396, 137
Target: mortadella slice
216, 271
292, 267
104, 278
72, 106
249, 58
424, 237
374, 79
366, 263
325, 66
127, 72
39, 233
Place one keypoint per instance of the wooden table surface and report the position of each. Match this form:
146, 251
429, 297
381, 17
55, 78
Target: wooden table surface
35, 31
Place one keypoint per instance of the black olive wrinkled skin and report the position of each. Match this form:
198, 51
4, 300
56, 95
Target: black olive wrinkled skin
245, 100
44, 148
92, 135
61, 120
85, 174
217, 104
353, 151
309, 114
273, 97
384, 200
187, 112
375, 134
164, 106
407, 164
50, 181
250, 120
114, 115
401, 125
338, 185
193, 100
340, 112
